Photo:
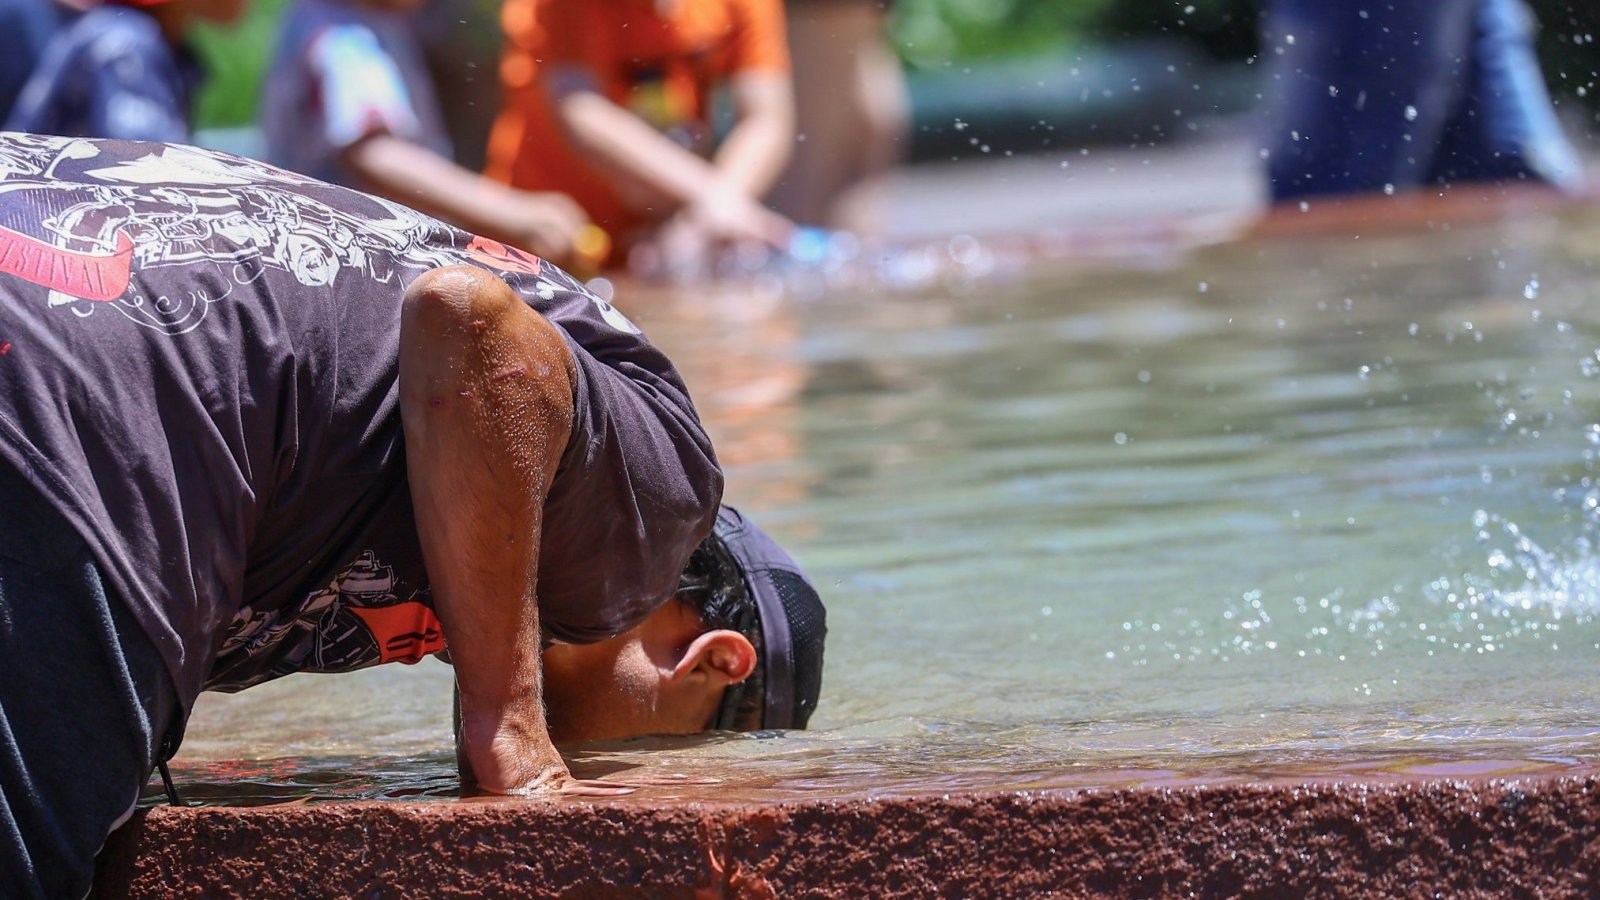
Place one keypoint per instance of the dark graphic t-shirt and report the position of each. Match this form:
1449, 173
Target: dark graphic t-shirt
198, 360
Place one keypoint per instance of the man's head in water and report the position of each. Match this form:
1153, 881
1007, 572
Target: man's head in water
739, 647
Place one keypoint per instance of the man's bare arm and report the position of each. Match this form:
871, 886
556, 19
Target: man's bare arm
486, 398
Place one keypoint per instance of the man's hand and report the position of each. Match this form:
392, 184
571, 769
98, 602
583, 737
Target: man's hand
486, 399
509, 760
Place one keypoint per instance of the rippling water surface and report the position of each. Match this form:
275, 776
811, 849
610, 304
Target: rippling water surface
1323, 504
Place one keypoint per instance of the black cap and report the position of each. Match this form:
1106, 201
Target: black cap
792, 619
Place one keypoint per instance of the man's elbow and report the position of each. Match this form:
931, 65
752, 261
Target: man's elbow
452, 301
470, 316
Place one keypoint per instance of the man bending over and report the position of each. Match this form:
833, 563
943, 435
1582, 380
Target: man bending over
253, 424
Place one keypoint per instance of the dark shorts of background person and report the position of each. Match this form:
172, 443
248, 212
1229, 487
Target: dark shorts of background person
86, 702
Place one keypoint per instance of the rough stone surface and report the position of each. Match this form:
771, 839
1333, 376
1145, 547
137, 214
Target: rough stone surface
1457, 838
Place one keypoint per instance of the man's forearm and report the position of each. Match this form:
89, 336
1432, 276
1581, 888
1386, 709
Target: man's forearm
486, 400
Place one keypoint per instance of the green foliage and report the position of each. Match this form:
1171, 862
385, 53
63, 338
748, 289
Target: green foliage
930, 33
236, 61
1224, 28
1567, 34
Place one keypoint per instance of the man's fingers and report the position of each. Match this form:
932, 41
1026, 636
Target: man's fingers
578, 787
667, 779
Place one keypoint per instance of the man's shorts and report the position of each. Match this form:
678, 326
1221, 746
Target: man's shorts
637, 489
85, 702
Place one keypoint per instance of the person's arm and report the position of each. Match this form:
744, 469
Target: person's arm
407, 172
486, 400
365, 109
629, 149
756, 149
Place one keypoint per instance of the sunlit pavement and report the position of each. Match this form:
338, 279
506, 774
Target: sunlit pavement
1216, 175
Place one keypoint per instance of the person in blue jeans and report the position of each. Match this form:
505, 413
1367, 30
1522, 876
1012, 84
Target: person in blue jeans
1394, 96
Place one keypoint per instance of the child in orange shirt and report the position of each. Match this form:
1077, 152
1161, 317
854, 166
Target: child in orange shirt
609, 101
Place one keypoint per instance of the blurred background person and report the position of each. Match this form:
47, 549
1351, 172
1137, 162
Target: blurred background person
349, 100
1391, 97
121, 70
611, 101
852, 111
28, 26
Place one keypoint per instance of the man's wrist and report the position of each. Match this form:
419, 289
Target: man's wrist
504, 754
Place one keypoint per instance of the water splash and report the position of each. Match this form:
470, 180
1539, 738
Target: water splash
1522, 575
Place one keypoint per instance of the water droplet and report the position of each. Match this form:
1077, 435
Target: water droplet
1530, 291
1411, 113
1412, 329
1120, 438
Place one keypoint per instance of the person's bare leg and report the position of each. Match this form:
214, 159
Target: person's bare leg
850, 107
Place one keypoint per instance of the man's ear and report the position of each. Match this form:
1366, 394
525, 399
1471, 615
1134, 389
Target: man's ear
727, 657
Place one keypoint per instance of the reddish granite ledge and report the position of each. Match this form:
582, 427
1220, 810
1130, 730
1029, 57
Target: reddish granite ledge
1522, 837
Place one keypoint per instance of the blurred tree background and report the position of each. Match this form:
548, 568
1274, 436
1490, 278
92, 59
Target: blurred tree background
930, 35
236, 60
933, 33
